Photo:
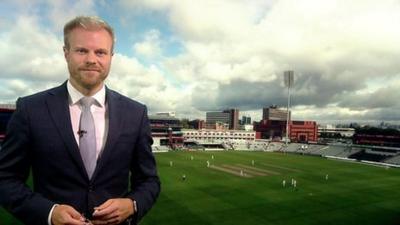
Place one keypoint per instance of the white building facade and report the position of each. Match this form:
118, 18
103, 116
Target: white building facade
219, 136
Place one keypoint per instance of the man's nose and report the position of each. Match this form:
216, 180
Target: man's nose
91, 58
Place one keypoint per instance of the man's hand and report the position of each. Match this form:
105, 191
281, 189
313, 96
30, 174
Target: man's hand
113, 211
65, 214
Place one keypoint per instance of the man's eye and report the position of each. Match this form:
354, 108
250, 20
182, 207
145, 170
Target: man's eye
81, 51
101, 53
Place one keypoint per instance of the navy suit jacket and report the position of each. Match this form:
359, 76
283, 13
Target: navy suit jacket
40, 140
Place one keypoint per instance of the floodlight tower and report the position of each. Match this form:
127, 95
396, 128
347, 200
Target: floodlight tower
289, 79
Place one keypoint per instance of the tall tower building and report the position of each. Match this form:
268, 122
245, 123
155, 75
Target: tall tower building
246, 120
274, 113
217, 117
233, 118
229, 116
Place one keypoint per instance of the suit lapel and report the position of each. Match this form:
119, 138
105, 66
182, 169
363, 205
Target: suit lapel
58, 106
115, 112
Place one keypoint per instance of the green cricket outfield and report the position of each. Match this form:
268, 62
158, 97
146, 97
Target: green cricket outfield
246, 188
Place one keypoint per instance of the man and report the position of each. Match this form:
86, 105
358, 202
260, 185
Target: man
82, 157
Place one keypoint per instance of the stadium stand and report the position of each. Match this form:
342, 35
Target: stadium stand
240, 146
369, 155
293, 147
393, 160
366, 154
274, 146
334, 150
161, 148
349, 151
318, 149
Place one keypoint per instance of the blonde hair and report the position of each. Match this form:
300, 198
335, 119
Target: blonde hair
89, 23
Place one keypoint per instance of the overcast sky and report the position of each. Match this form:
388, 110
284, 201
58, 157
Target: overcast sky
195, 56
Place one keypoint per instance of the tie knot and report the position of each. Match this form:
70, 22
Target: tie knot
87, 101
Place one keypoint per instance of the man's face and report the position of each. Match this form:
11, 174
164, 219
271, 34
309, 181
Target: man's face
88, 58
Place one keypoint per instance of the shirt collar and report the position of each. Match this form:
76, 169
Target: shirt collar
75, 95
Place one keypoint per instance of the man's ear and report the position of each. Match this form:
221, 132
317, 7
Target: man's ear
65, 51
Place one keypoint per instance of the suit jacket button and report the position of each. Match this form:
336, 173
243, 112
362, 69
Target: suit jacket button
91, 188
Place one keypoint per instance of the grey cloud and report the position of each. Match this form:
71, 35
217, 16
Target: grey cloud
386, 114
383, 98
203, 98
240, 94
310, 89
13, 89
248, 96
372, 116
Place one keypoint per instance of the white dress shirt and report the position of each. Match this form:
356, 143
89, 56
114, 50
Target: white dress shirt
100, 116
99, 112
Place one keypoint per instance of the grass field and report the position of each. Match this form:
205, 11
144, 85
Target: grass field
221, 194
